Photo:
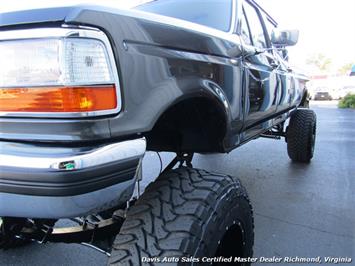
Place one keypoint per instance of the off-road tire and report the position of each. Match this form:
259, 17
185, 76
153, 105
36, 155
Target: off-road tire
186, 213
301, 135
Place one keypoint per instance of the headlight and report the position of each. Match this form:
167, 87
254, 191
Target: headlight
71, 73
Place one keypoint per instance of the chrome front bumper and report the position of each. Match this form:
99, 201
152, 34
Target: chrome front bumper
57, 182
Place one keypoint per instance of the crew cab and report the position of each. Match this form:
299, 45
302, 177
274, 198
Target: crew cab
86, 89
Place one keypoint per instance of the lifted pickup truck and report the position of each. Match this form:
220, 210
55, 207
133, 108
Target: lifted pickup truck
85, 90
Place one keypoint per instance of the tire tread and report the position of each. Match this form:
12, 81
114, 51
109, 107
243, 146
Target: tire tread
172, 209
299, 133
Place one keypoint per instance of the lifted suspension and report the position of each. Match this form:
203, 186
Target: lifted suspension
94, 233
275, 133
180, 158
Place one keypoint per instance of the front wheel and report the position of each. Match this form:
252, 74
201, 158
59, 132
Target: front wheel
187, 216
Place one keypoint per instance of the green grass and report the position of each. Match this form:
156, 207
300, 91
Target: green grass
347, 102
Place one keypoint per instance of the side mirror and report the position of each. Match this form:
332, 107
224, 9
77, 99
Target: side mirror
281, 38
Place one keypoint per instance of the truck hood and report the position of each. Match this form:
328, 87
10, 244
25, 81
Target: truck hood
35, 11
18, 5
72, 12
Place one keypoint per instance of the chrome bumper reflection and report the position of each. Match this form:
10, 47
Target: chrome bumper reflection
35, 206
111, 153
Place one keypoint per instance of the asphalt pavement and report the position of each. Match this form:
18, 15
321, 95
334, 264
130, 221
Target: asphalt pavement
300, 210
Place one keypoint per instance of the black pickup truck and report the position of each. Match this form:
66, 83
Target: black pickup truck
85, 90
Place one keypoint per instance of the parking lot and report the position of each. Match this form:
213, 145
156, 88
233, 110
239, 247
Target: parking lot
300, 210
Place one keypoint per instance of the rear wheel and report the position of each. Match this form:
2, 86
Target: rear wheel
301, 135
185, 215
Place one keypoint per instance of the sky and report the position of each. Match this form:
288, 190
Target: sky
325, 26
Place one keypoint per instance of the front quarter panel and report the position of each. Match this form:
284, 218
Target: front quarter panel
160, 61
161, 64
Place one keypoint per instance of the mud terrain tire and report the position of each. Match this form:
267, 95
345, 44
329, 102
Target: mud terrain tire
186, 214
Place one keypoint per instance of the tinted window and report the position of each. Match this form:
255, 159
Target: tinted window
211, 13
257, 32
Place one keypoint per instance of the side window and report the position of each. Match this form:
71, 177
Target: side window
245, 33
256, 29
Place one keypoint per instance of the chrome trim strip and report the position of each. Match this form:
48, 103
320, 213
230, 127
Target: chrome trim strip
111, 153
66, 32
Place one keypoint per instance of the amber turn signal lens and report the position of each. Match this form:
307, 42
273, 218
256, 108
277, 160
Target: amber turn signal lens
58, 99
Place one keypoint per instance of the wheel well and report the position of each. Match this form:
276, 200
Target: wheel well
192, 125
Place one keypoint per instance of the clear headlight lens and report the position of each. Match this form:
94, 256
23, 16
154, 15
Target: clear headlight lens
51, 62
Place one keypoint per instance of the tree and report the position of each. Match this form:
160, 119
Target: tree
320, 61
345, 68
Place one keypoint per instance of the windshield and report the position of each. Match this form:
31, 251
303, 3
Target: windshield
211, 13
